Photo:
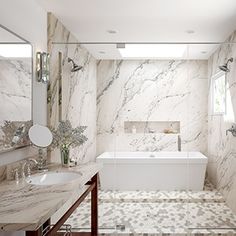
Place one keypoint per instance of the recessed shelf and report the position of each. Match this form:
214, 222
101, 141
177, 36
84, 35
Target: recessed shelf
152, 127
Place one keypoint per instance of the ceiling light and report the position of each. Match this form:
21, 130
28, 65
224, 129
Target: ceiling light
204, 52
190, 31
153, 51
101, 52
15, 50
111, 31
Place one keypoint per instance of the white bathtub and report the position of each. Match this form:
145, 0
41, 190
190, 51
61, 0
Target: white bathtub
152, 170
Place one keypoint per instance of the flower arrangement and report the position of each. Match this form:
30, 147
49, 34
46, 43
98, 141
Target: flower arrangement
65, 137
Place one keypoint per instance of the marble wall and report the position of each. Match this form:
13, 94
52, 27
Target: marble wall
151, 90
28, 19
15, 92
78, 88
222, 147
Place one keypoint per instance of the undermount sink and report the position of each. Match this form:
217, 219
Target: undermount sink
52, 178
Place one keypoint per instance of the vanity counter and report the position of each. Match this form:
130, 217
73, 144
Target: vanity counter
26, 207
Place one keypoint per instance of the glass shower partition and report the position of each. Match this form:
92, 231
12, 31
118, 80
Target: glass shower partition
171, 144
160, 123
210, 114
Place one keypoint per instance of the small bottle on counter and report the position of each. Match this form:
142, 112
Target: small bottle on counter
134, 131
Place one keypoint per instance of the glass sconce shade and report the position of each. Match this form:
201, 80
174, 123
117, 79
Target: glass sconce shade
42, 67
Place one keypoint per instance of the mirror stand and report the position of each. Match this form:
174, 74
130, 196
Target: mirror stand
41, 137
41, 160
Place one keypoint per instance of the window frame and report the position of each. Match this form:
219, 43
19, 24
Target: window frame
216, 76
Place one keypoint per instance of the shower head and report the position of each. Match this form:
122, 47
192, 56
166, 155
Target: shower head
225, 67
75, 67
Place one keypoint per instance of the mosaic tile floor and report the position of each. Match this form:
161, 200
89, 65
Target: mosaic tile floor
159, 212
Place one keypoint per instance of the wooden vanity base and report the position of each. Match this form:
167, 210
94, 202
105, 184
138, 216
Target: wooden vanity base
76, 234
93, 188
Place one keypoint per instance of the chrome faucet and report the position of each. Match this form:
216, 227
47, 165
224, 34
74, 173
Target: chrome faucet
232, 130
16, 175
179, 143
27, 163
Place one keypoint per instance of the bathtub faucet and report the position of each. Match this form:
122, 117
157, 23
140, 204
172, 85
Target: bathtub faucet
232, 130
179, 143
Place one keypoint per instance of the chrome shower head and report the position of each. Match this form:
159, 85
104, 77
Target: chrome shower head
225, 67
75, 67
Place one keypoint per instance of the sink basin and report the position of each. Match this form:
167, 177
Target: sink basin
52, 178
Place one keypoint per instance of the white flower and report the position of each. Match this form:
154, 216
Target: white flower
66, 136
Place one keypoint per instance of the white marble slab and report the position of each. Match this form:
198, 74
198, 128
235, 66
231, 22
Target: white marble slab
15, 97
78, 88
151, 90
26, 207
15, 89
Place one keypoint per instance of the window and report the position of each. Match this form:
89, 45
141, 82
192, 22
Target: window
219, 93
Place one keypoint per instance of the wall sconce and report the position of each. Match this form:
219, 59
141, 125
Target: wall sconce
42, 67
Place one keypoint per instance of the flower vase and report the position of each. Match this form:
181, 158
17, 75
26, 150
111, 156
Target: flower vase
65, 156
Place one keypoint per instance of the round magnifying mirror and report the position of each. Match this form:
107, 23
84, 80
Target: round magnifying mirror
40, 135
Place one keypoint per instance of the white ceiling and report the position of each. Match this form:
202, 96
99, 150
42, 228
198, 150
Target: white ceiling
7, 37
145, 21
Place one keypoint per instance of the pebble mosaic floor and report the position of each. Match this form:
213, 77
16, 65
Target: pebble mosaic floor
159, 213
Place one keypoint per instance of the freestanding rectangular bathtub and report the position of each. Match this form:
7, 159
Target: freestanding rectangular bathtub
152, 170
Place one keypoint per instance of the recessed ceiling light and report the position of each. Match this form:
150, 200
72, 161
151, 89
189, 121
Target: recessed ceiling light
111, 31
101, 52
190, 31
153, 51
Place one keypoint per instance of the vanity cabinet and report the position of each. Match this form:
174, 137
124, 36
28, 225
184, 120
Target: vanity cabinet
31, 208
49, 230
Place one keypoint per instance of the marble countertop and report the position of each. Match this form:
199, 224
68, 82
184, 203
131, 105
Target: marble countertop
26, 207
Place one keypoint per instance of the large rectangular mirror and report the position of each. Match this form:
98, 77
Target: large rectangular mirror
15, 90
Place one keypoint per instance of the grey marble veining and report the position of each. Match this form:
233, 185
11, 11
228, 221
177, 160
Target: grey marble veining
78, 89
3, 173
222, 148
26, 207
151, 90
15, 97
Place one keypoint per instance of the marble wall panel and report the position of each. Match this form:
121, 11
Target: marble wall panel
15, 97
151, 90
222, 147
78, 88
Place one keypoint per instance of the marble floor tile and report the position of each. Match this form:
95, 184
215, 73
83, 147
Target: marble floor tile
158, 213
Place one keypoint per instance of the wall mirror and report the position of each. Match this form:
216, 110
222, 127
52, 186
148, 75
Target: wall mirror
15, 90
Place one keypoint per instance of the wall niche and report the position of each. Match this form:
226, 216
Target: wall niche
152, 127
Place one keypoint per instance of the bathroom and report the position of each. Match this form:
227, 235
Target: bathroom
156, 109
